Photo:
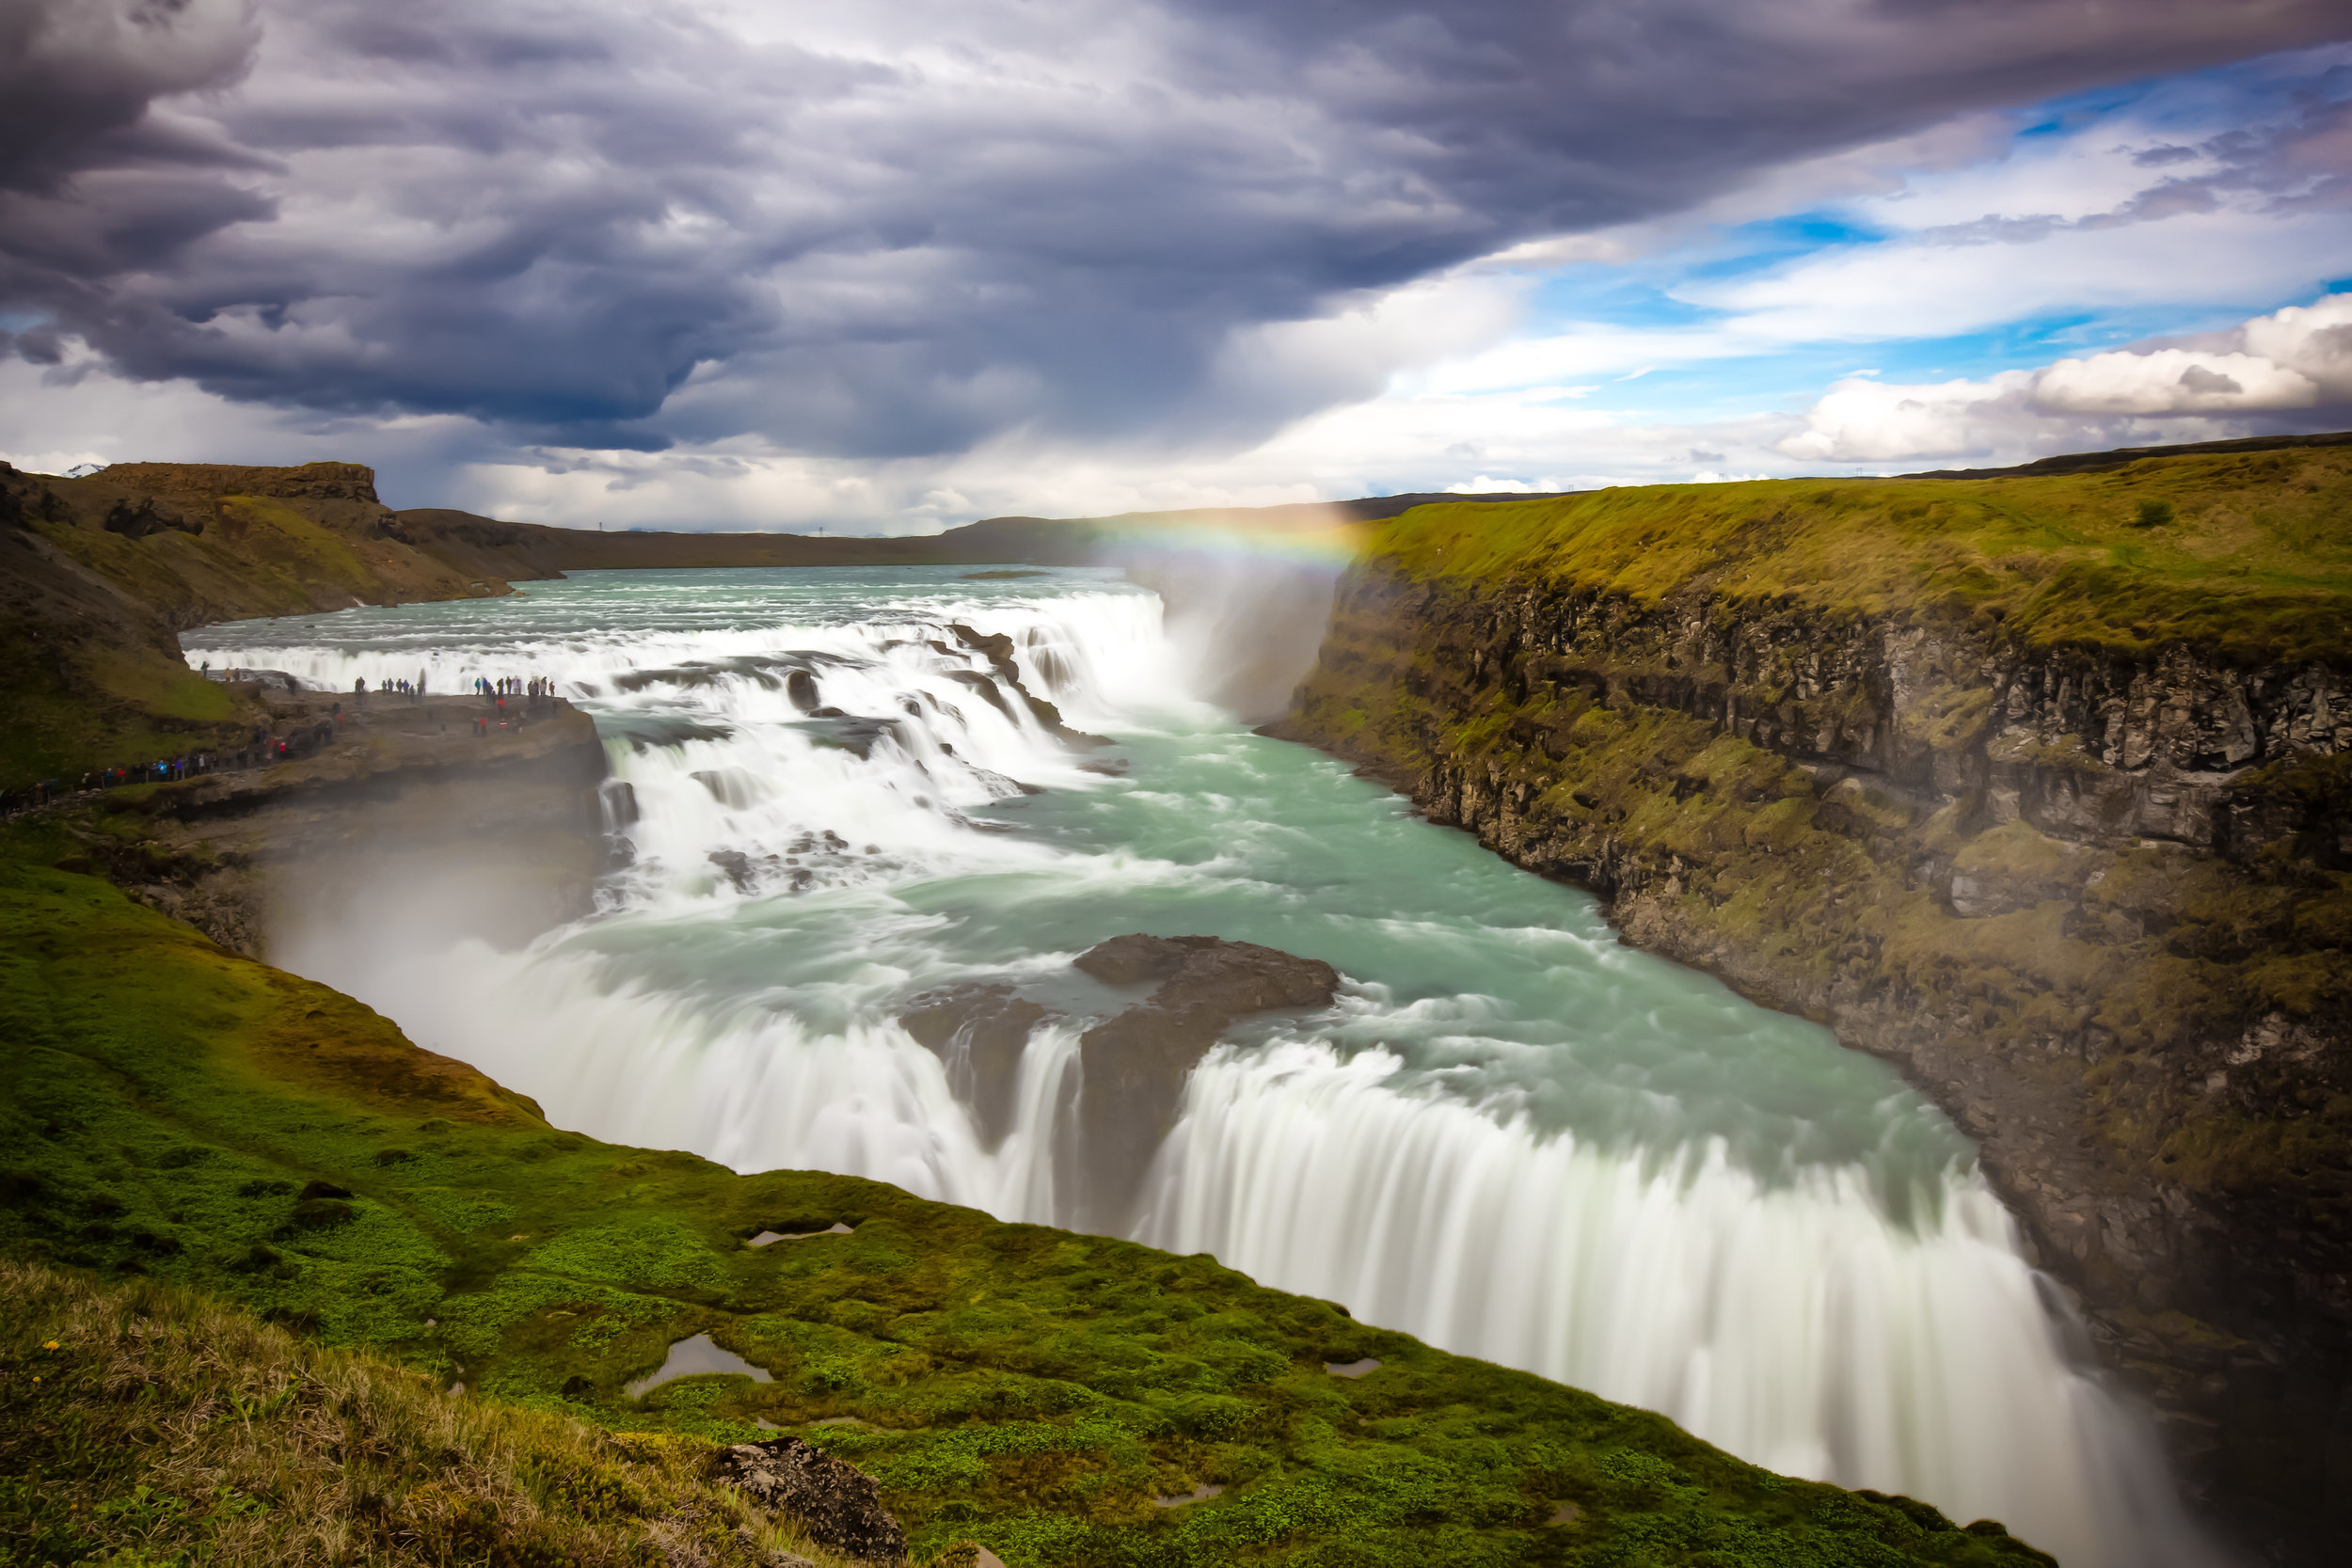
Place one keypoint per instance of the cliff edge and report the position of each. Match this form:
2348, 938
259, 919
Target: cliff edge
2037, 785
98, 577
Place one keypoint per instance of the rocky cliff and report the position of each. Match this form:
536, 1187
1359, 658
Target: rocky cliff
2038, 786
392, 805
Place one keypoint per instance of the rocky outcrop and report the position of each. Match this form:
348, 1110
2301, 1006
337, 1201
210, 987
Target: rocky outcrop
1131, 1064
979, 1032
837, 1504
98, 575
2093, 901
203, 542
383, 801
1134, 1065
997, 649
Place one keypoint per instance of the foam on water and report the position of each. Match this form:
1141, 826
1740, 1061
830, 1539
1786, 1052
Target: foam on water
1513, 1136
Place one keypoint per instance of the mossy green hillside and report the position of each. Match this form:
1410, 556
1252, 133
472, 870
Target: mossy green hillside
186, 1117
2253, 558
147, 1426
63, 716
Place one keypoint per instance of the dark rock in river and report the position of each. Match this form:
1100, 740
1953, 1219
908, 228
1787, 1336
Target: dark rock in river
985, 685
1134, 1065
646, 730
1235, 976
993, 646
979, 1033
847, 731
997, 649
837, 1504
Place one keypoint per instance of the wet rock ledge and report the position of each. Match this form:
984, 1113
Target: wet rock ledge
398, 803
1131, 1065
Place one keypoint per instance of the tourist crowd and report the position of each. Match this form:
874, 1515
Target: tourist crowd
266, 748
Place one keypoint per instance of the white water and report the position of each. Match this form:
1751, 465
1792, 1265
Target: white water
1513, 1137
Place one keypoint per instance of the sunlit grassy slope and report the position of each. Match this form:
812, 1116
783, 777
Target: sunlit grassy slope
143, 1425
2248, 554
173, 1112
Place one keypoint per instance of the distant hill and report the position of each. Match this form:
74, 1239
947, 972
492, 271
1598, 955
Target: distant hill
519, 552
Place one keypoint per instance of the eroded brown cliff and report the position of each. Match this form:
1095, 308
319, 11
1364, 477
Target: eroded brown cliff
2092, 899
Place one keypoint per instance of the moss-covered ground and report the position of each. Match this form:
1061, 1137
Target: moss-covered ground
145, 1426
91, 672
2253, 554
175, 1116
112, 708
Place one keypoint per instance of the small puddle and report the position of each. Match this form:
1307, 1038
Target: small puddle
1200, 1494
1352, 1369
768, 1238
693, 1358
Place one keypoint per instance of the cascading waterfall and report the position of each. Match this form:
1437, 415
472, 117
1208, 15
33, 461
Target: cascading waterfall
1511, 1137
1792, 1324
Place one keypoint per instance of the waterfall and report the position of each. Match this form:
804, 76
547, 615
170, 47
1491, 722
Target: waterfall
1513, 1137
1794, 1325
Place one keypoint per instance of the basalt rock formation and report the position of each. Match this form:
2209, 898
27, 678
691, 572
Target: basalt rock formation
2038, 787
979, 1032
1134, 1065
222, 541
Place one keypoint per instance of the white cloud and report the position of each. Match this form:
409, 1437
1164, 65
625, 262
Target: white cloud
2170, 381
2202, 193
2293, 359
1859, 420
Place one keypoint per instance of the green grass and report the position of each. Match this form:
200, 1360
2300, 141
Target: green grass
179, 1117
2253, 558
257, 556
65, 712
143, 1426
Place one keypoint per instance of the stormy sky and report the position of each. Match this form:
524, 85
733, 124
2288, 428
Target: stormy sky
892, 267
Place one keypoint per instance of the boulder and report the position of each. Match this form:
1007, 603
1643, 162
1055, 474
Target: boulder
1235, 978
836, 1503
996, 648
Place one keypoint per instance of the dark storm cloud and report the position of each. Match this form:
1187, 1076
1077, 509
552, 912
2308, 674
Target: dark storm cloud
908, 230
76, 77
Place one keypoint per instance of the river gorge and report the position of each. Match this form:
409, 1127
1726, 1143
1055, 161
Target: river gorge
837, 793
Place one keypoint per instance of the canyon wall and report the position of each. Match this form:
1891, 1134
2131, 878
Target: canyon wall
2045, 802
